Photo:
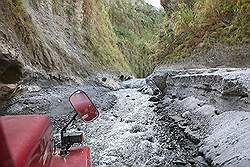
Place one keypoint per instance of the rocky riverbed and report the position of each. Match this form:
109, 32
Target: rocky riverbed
187, 118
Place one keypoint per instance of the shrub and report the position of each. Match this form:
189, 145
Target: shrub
206, 22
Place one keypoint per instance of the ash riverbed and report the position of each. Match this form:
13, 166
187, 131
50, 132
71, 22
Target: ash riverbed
127, 132
54, 101
195, 118
133, 133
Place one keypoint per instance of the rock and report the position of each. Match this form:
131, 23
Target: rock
151, 106
166, 100
195, 128
156, 82
116, 116
127, 96
163, 118
245, 100
185, 123
110, 83
6, 90
129, 121
154, 99
191, 161
192, 136
186, 114
137, 128
181, 98
200, 45
217, 112
150, 139
180, 162
176, 118
104, 79
121, 77
154, 161
156, 92
134, 83
200, 161
234, 88
171, 147
206, 110
146, 90
128, 78
190, 103
174, 96
160, 106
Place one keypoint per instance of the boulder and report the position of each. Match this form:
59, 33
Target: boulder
6, 90
134, 83
234, 88
206, 110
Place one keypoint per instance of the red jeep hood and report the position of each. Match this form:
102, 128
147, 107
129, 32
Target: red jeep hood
24, 138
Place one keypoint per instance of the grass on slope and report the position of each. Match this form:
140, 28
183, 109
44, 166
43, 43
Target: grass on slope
136, 25
202, 24
101, 38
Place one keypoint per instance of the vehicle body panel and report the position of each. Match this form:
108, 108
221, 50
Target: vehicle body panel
26, 141
78, 157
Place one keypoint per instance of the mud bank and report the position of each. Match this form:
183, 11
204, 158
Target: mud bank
212, 107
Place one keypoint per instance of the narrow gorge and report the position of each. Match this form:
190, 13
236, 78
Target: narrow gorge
171, 82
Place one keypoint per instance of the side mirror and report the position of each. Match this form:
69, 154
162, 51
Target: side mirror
83, 106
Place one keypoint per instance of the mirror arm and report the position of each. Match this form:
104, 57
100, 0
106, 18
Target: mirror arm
63, 147
65, 127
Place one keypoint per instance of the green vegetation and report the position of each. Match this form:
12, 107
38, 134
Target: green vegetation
96, 28
101, 39
16, 6
202, 23
134, 36
22, 23
136, 25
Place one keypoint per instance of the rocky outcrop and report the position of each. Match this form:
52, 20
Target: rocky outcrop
49, 39
217, 56
212, 107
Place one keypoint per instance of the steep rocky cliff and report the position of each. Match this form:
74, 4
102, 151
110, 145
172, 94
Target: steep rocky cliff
70, 40
64, 40
58, 41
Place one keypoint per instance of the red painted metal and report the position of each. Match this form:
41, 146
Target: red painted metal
5, 157
27, 141
78, 157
